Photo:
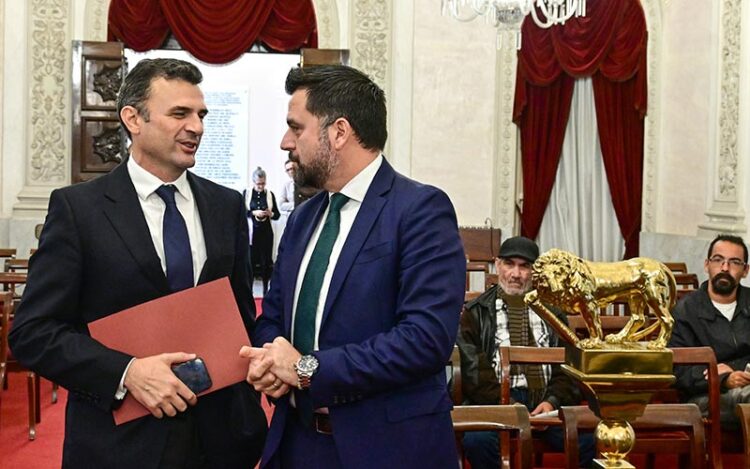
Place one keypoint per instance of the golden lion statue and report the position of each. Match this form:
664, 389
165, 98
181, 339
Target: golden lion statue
580, 287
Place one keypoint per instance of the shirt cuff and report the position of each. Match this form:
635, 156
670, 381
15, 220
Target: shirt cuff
121, 390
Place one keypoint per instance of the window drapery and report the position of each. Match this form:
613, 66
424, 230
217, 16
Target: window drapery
609, 44
580, 216
214, 31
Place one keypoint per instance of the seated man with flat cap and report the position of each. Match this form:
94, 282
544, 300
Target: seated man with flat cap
500, 317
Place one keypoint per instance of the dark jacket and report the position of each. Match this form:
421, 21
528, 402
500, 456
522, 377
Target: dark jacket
96, 258
476, 342
698, 323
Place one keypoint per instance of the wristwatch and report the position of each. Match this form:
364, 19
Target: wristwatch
305, 367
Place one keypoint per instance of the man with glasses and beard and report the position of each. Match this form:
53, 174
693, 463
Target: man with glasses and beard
718, 316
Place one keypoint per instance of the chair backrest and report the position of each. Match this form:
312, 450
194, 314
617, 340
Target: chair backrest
7, 252
490, 280
480, 244
456, 383
743, 412
470, 295
656, 417
705, 356
16, 265
524, 355
499, 418
6, 306
686, 281
677, 267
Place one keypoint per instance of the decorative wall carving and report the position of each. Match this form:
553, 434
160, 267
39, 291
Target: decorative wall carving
651, 126
107, 82
107, 145
49, 56
371, 39
507, 154
326, 14
730, 98
95, 28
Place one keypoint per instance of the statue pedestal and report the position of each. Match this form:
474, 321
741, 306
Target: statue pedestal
618, 382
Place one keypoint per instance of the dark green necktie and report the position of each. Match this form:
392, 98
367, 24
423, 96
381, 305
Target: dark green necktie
309, 294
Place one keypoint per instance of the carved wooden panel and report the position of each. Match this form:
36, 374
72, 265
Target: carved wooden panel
98, 144
310, 57
480, 244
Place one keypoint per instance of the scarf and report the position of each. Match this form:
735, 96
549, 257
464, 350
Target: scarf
520, 333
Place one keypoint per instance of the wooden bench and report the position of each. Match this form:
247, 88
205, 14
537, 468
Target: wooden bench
655, 432
503, 419
8, 364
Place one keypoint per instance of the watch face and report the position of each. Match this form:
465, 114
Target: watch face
307, 364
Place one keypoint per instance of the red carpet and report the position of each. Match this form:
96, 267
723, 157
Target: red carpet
16, 450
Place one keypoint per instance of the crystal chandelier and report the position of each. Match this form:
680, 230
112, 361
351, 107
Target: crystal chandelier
507, 15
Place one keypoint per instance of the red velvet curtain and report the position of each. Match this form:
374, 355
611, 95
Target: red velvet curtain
608, 44
214, 31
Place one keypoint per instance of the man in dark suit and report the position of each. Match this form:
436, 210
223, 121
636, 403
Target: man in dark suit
121, 240
363, 308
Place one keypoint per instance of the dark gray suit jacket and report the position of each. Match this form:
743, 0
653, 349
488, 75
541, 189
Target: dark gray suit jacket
95, 258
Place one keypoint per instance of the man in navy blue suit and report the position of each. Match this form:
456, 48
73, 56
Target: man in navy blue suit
363, 308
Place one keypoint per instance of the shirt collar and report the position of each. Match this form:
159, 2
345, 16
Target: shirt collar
146, 183
356, 188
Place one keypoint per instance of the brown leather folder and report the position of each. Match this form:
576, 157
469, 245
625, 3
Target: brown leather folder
203, 320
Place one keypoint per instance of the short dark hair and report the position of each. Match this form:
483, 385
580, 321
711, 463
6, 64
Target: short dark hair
335, 91
730, 239
136, 87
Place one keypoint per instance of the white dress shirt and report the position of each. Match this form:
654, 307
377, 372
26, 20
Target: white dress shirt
153, 208
355, 189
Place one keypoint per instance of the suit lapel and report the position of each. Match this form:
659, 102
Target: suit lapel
211, 228
123, 210
318, 205
369, 212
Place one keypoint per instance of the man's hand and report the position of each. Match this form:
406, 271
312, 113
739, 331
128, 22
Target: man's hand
151, 382
542, 408
259, 374
721, 369
737, 379
284, 356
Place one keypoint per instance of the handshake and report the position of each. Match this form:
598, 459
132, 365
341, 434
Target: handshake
272, 369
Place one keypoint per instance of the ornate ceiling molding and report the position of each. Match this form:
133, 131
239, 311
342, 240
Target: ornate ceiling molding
49, 56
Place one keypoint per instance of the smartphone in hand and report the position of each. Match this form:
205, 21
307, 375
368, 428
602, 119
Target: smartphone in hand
194, 374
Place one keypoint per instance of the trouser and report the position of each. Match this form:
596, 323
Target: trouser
304, 447
183, 449
727, 404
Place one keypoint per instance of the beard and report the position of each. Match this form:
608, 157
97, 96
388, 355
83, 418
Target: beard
514, 288
317, 172
723, 284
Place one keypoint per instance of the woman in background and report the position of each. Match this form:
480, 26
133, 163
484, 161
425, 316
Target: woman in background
262, 208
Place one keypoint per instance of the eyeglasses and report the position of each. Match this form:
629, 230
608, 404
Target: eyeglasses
733, 262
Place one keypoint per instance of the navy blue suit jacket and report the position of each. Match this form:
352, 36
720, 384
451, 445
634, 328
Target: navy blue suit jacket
388, 327
96, 258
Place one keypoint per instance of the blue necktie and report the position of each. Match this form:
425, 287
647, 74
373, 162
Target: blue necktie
178, 257
309, 294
